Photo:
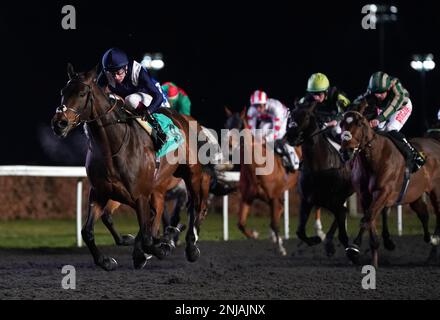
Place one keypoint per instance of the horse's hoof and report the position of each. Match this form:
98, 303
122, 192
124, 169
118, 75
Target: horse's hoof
254, 234
127, 240
141, 261
283, 252
109, 264
434, 240
389, 244
353, 253
160, 252
192, 253
321, 234
312, 241
167, 247
330, 249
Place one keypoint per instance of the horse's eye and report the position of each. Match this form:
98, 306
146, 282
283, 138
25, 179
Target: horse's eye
82, 94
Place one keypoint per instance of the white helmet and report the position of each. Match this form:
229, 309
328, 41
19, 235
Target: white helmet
258, 97
438, 115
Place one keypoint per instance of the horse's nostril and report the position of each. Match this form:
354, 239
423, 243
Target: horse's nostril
62, 124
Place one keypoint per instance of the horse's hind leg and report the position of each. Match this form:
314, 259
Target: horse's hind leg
194, 186
435, 239
318, 225
328, 241
276, 211
245, 206
387, 241
305, 209
120, 240
94, 211
420, 207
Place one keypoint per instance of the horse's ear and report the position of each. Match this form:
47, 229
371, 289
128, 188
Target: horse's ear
92, 74
295, 104
312, 106
70, 71
228, 112
362, 106
243, 113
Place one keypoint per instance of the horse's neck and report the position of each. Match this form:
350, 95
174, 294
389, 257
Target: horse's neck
105, 134
374, 154
318, 154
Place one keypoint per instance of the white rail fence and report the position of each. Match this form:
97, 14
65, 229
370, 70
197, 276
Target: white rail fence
80, 173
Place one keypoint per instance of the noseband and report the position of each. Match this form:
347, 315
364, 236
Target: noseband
89, 100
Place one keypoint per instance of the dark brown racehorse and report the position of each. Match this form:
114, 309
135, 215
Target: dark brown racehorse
121, 167
378, 174
268, 187
324, 180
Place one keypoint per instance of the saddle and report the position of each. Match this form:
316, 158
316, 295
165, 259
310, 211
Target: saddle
174, 138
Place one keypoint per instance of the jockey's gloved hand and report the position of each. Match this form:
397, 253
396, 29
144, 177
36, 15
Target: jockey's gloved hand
141, 109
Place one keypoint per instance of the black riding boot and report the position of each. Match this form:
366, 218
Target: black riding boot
216, 186
159, 137
280, 148
414, 159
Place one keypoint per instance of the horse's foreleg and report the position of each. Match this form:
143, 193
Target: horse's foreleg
377, 206
94, 211
387, 242
144, 239
305, 209
157, 205
120, 240
276, 211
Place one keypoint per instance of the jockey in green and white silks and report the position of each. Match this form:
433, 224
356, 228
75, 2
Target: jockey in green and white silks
270, 116
393, 104
393, 109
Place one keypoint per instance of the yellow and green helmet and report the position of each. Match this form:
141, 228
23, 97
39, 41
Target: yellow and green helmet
318, 82
379, 82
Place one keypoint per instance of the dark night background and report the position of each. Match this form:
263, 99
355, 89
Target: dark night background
217, 51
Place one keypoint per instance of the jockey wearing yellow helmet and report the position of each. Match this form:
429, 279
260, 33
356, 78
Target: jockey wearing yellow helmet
331, 102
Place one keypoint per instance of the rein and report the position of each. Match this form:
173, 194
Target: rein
90, 98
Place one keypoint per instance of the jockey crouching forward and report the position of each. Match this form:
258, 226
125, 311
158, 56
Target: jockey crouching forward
270, 116
331, 103
131, 81
393, 108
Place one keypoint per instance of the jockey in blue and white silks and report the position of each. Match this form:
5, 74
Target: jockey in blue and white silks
131, 81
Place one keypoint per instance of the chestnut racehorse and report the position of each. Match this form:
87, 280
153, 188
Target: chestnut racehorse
378, 176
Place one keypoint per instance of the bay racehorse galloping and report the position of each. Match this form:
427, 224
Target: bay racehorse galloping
268, 187
120, 166
324, 180
378, 176
174, 192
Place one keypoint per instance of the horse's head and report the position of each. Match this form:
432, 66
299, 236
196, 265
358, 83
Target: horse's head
356, 134
301, 123
235, 120
76, 101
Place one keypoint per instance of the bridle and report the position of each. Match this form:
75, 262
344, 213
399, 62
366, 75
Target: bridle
89, 101
347, 136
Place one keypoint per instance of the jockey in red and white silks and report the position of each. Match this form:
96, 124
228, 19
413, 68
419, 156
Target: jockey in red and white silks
270, 116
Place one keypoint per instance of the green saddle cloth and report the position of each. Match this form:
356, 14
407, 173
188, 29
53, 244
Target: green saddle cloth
174, 136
